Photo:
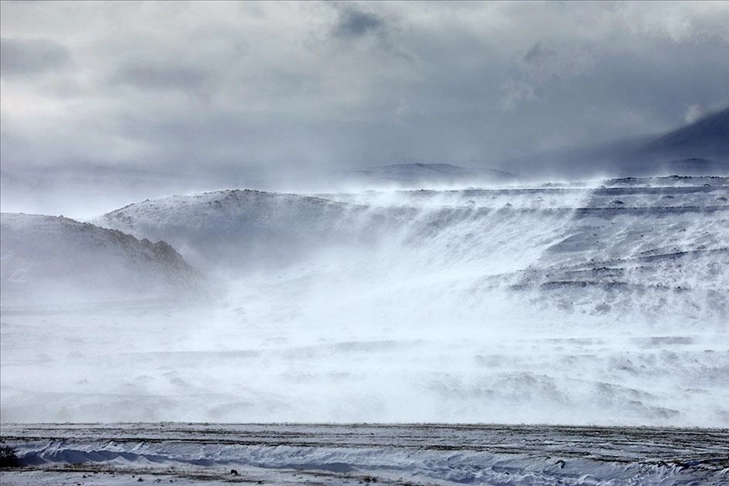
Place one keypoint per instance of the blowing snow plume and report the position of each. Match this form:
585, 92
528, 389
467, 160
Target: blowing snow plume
555, 303
625, 244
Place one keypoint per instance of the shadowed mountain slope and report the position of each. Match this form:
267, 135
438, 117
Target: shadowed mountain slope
48, 259
707, 138
701, 148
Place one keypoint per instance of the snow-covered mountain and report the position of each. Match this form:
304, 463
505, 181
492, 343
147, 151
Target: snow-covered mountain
706, 138
626, 245
603, 302
56, 260
699, 148
236, 229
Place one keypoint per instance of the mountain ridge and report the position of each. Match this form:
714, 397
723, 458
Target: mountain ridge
699, 148
708, 137
51, 258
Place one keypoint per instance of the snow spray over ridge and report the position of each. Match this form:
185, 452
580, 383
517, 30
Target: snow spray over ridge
558, 303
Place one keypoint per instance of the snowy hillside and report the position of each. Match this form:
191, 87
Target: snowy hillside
603, 302
628, 244
241, 229
56, 260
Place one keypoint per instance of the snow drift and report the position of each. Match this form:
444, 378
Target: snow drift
361, 453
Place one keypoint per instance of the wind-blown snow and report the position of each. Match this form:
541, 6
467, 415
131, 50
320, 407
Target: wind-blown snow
601, 303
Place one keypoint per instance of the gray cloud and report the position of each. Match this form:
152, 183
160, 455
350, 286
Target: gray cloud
356, 28
541, 66
353, 22
27, 57
538, 53
279, 85
162, 76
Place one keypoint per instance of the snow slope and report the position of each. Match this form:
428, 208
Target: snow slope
51, 260
628, 244
575, 303
240, 228
707, 138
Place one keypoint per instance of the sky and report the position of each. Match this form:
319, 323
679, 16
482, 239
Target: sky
220, 86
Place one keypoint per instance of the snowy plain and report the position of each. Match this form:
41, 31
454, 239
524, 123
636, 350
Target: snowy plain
433, 454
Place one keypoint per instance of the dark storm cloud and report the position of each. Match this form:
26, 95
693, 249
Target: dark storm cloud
356, 28
353, 22
537, 52
27, 57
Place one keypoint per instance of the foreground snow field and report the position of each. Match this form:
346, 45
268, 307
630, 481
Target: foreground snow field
182, 454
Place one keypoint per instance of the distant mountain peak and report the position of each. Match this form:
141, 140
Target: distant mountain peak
707, 138
700, 148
